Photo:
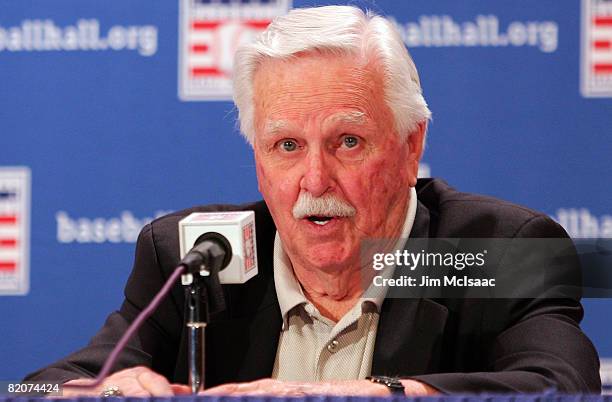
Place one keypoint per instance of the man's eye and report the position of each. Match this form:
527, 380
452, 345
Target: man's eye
288, 145
350, 141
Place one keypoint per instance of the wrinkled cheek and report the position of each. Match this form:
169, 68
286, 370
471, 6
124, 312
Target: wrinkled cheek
287, 186
385, 186
278, 189
394, 175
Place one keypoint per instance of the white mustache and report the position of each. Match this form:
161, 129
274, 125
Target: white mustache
327, 205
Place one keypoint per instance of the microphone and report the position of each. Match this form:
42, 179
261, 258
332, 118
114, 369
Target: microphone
218, 242
221, 246
211, 254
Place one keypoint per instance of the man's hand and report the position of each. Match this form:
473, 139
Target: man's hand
296, 388
135, 381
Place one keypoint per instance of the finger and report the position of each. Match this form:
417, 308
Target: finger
245, 388
180, 389
155, 384
225, 389
138, 381
80, 381
259, 387
132, 371
68, 391
129, 386
417, 388
296, 390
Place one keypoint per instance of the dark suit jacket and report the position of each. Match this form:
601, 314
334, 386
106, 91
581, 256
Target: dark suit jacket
455, 345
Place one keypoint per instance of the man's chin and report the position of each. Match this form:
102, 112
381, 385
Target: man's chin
329, 258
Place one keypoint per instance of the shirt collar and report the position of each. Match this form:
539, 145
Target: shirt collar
288, 290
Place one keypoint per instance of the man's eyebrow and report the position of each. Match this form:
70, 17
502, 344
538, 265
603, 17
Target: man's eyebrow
274, 126
349, 117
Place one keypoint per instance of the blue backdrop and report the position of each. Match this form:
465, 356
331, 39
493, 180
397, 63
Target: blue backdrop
116, 110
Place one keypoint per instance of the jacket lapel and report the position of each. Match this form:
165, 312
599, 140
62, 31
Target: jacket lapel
410, 331
263, 333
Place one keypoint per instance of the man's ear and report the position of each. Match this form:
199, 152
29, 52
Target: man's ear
416, 144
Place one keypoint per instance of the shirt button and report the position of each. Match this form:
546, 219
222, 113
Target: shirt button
332, 346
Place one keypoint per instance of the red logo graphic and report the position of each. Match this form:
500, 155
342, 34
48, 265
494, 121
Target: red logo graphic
8, 239
210, 33
596, 80
249, 247
14, 230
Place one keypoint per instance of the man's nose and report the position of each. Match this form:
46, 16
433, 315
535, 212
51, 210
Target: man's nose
317, 178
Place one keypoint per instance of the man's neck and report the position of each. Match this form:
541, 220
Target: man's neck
333, 294
332, 309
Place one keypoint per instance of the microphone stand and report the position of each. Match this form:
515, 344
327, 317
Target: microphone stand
202, 288
196, 330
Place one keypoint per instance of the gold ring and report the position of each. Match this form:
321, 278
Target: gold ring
111, 391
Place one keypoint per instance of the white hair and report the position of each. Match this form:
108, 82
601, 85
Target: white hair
341, 30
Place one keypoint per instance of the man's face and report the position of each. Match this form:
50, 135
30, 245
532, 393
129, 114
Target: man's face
324, 130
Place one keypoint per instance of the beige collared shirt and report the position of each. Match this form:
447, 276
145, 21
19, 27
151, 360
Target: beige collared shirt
314, 348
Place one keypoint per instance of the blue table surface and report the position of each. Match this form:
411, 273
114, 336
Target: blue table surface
549, 397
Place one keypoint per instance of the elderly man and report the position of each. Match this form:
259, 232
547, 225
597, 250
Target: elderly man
331, 103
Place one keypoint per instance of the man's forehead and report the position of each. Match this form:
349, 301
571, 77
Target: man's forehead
315, 73
327, 88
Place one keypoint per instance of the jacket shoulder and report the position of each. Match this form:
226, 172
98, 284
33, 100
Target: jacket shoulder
459, 214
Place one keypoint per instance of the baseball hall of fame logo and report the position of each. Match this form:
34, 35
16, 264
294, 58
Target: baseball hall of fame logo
14, 230
209, 33
596, 54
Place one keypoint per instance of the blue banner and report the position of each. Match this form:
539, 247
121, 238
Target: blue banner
113, 113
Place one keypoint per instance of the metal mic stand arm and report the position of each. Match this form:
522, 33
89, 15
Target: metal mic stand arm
202, 288
196, 331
